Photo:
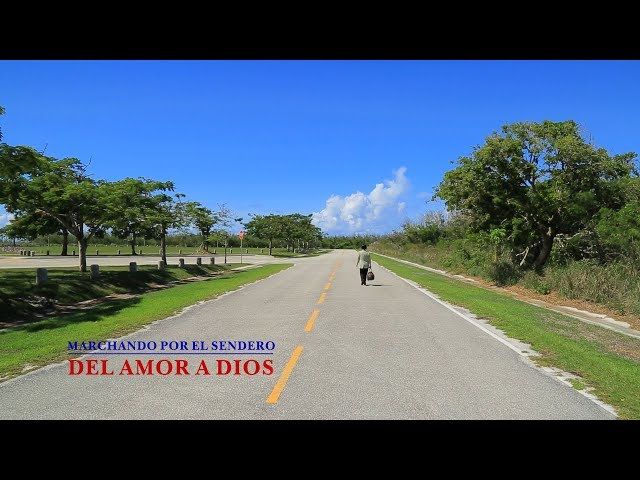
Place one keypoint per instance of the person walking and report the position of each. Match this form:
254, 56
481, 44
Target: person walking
364, 264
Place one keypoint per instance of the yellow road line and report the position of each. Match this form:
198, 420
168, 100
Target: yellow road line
322, 297
312, 320
282, 381
327, 286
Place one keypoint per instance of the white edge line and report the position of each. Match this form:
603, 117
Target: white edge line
605, 406
460, 314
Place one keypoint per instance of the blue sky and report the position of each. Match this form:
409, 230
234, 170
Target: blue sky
359, 143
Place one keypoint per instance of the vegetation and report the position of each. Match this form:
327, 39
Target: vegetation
606, 361
21, 300
294, 229
58, 197
44, 342
540, 206
536, 181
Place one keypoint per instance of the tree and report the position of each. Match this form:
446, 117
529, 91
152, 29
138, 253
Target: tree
32, 184
535, 181
1, 113
166, 214
33, 225
130, 203
268, 227
204, 220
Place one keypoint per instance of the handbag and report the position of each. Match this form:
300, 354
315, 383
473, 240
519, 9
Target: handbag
370, 275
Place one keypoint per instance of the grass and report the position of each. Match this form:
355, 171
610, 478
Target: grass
21, 300
112, 249
615, 285
605, 360
45, 342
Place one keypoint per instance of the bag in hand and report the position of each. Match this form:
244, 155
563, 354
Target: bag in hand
370, 275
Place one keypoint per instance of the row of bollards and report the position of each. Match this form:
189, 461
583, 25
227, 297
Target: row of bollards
42, 274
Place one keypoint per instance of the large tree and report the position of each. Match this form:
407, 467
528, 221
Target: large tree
535, 180
32, 225
131, 202
204, 219
166, 214
267, 227
32, 184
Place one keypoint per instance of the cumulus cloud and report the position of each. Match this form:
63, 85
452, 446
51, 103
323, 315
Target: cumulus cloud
361, 212
5, 218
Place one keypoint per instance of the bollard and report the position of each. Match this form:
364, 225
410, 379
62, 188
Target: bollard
214, 251
262, 250
73, 253
118, 252
180, 252
133, 267
231, 250
33, 253
181, 262
198, 261
95, 271
247, 251
47, 252
161, 265
212, 260
97, 253
41, 276
140, 251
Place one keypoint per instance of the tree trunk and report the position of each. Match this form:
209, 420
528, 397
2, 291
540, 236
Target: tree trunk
133, 244
545, 251
163, 246
65, 243
270, 246
82, 247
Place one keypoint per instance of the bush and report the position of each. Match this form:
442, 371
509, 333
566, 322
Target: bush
536, 282
504, 273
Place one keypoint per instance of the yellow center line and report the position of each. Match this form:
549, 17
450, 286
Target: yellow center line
322, 297
327, 286
286, 373
312, 320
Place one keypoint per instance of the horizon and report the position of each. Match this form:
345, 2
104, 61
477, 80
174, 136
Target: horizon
359, 144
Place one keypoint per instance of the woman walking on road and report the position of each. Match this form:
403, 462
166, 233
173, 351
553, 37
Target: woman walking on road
364, 264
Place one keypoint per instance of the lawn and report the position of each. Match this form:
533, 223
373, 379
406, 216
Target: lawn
21, 300
45, 342
606, 361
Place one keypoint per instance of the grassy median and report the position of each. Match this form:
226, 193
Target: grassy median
606, 361
44, 342
21, 300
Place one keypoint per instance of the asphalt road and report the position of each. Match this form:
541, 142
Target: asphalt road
384, 351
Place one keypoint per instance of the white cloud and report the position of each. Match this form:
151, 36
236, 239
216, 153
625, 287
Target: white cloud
5, 218
380, 209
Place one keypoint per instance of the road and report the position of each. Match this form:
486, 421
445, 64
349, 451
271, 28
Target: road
385, 351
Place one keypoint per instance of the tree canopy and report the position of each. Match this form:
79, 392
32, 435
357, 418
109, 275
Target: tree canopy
535, 181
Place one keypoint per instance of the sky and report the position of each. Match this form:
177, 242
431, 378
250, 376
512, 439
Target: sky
361, 145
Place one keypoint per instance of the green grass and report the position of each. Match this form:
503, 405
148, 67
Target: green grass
607, 361
615, 285
46, 341
21, 300
55, 250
